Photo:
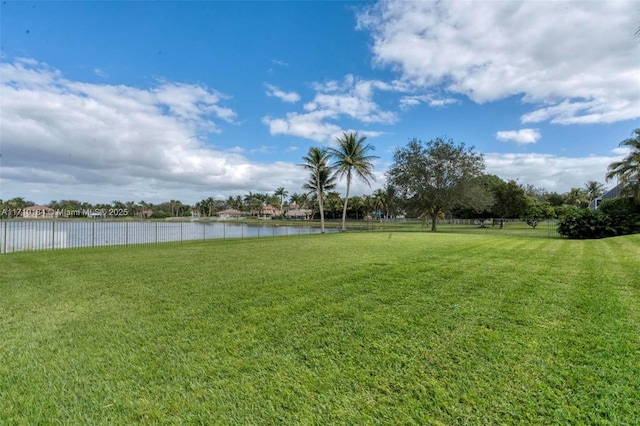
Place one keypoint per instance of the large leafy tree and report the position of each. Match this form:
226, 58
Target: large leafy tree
537, 211
316, 162
510, 200
627, 171
351, 158
437, 176
555, 199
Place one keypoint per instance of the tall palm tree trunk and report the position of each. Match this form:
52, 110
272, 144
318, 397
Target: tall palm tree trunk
346, 201
320, 206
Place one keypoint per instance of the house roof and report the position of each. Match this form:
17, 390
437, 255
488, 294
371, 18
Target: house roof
230, 212
298, 212
38, 208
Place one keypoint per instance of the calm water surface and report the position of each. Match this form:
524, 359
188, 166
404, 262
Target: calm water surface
48, 235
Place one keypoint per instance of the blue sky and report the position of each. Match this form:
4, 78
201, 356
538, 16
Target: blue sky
152, 101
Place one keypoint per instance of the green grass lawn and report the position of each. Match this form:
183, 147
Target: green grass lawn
545, 229
356, 328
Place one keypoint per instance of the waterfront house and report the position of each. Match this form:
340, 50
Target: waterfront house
230, 214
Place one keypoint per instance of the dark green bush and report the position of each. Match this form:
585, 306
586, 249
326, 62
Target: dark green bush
623, 214
614, 217
159, 214
584, 224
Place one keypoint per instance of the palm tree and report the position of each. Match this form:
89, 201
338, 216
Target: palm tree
173, 204
132, 208
294, 199
380, 201
594, 189
316, 162
627, 171
234, 202
334, 203
318, 188
210, 204
351, 157
281, 192
576, 197
254, 202
368, 206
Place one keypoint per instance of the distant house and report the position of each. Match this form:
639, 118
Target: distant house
269, 212
609, 195
195, 213
298, 214
229, 214
145, 214
38, 212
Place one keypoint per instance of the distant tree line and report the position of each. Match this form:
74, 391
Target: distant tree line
431, 180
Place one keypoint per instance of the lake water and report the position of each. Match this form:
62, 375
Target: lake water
50, 235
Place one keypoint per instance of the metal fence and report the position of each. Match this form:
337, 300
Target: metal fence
38, 234
29, 235
542, 229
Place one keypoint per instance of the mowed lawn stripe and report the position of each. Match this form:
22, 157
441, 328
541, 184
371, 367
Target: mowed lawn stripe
388, 328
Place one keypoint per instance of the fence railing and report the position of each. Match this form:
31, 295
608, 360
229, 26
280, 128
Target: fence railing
38, 234
542, 229
28, 235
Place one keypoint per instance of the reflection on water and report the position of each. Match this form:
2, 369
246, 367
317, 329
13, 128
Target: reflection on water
49, 235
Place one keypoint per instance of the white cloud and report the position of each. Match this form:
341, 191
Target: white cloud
407, 102
521, 137
621, 150
100, 73
554, 173
311, 125
273, 91
351, 97
74, 140
577, 62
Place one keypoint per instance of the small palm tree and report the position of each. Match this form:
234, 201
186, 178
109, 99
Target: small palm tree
294, 198
576, 197
594, 189
380, 200
351, 157
318, 188
368, 205
627, 171
334, 203
253, 203
316, 162
210, 203
281, 192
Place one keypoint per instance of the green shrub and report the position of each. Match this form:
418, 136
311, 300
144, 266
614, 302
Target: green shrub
614, 217
159, 214
585, 224
624, 215
564, 210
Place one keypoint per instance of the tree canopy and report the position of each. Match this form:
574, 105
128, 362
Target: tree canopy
437, 176
350, 158
321, 180
627, 171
